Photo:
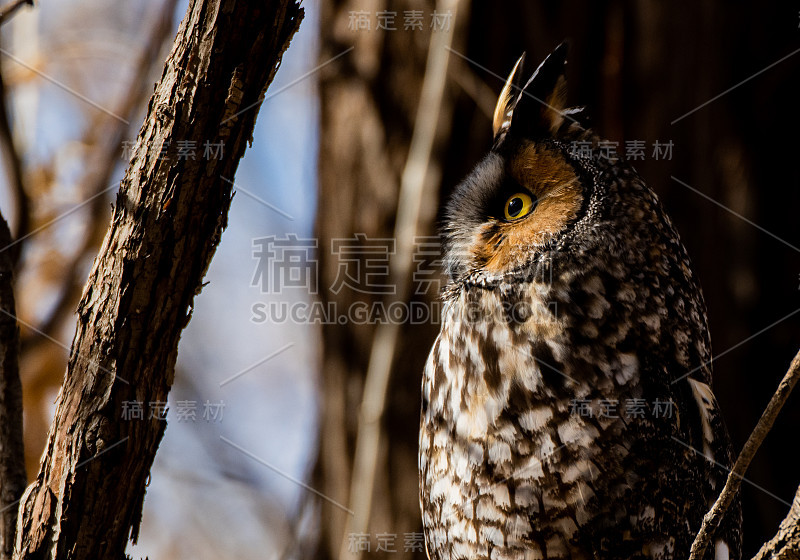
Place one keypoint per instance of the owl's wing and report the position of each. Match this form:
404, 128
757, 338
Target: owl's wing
710, 419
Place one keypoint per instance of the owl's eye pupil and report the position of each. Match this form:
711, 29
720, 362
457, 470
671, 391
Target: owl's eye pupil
519, 205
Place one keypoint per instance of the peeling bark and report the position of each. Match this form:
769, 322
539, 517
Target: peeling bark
86, 501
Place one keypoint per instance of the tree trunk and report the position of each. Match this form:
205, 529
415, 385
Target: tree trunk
86, 501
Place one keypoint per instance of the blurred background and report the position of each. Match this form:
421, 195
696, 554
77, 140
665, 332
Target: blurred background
266, 454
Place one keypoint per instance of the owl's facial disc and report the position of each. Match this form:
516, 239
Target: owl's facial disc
546, 194
525, 193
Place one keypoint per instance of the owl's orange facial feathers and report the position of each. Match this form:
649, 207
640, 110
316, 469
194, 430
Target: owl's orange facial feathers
502, 244
524, 195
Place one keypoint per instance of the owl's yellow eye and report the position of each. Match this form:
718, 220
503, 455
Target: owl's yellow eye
519, 205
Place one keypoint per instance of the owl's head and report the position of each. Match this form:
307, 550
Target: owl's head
529, 190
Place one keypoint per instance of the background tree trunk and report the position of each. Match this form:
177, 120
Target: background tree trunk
87, 498
369, 101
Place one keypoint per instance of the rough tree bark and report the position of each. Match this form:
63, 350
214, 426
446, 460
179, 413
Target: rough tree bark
785, 545
87, 499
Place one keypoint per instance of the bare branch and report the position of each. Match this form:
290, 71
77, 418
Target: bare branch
13, 166
712, 519
87, 499
12, 457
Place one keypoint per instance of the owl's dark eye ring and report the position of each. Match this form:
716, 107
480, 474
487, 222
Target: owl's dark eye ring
518, 206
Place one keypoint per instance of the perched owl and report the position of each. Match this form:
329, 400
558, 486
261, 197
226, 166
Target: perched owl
567, 407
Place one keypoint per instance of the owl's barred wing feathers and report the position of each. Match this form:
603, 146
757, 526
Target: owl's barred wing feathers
567, 410
716, 449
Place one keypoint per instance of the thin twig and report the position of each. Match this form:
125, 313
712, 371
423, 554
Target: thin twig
13, 167
10, 9
712, 519
384, 343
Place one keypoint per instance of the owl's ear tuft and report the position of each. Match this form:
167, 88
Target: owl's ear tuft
508, 99
538, 109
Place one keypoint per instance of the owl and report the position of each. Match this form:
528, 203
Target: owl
567, 410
